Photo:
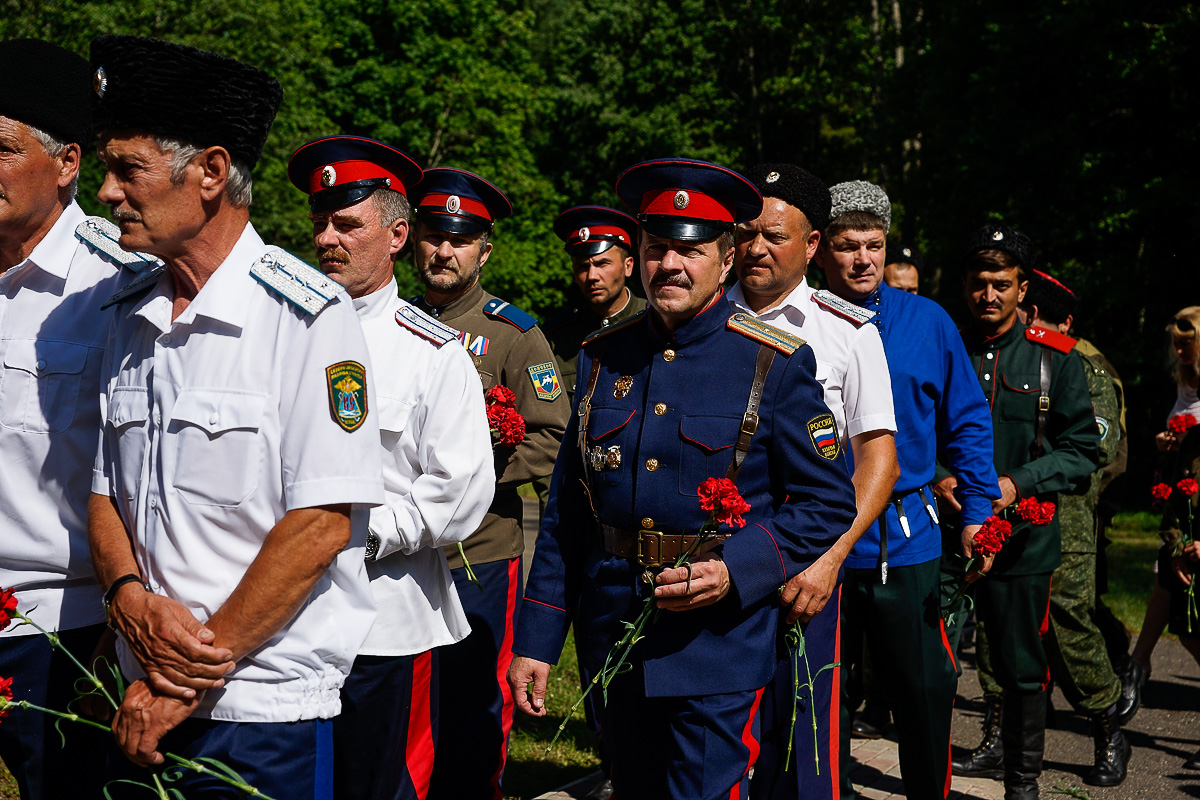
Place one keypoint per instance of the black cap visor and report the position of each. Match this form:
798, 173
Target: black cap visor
683, 229
342, 196
464, 225
593, 248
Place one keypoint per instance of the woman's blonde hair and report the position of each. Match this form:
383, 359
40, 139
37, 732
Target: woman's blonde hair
1185, 325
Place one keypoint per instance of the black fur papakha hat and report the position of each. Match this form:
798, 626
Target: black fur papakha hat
1006, 240
47, 87
172, 90
794, 186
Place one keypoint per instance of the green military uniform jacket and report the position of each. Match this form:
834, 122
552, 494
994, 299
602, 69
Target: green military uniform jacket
1009, 367
567, 329
1077, 512
508, 349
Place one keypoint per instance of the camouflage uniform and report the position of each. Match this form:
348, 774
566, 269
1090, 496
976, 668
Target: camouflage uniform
1074, 647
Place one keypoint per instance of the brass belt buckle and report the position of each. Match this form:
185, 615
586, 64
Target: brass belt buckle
644, 557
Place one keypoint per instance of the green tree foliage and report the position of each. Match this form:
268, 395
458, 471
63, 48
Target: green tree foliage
1072, 120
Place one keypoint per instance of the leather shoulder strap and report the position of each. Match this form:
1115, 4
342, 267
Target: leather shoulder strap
762, 365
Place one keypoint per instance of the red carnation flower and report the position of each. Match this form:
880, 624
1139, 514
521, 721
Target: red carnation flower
1181, 424
721, 499
1188, 486
1031, 510
500, 395
511, 428
1160, 492
6, 696
991, 536
8, 607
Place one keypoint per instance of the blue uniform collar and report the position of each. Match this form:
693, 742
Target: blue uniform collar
704, 323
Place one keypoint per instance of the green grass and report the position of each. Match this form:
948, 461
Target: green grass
1131, 554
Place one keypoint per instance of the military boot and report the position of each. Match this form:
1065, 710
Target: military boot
1023, 736
1112, 750
987, 760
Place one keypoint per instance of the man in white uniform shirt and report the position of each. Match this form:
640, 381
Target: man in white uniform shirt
437, 467
772, 258
52, 283
240, 449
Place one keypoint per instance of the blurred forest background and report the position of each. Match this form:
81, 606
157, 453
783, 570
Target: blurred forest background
1074, 121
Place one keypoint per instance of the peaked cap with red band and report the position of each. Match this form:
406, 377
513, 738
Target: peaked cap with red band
456, 201
339, 171
688, 200
590, 230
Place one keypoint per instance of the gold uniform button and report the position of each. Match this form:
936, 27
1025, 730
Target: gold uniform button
651, 464
668, 355
660, 409
647, 523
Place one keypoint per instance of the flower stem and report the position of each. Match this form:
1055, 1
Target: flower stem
57, 644
467, 564
25, 705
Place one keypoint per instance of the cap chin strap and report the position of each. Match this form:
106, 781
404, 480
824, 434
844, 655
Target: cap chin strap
683, 229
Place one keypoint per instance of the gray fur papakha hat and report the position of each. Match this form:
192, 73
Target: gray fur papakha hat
861, 196
176, 91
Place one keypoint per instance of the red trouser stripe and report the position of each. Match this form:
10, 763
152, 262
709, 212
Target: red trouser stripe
835, 709
946, 644
502, 665
419, 748
1044, 628
751, 743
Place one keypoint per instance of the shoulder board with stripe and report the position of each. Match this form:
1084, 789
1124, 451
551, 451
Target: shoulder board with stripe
424, 325
766, 334
102, 236
1052, 339
625, 323
144, 280
303, 286
843, 308
509, 313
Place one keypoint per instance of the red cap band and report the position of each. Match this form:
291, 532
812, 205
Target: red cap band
453, 204
596, 231
340, 173
683, 203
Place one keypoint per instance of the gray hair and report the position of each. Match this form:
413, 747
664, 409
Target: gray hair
54, 148
239, 184
391, 205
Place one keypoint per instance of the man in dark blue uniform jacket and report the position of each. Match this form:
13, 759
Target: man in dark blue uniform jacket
667, 399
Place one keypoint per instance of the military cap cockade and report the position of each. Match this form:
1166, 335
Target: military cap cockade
904, 254
796, 187
456, 201
590, 230
861, 196
46, 87
687, 200
176, 91
339, 171
1006, 240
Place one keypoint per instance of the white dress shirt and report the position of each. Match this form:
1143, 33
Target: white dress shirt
438, 473
851, 366
216, 425
51, 344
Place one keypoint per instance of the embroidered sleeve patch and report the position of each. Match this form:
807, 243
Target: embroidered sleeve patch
823, 433
347, 393
545, 381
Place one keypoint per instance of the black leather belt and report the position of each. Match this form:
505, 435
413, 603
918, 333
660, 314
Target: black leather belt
652, 548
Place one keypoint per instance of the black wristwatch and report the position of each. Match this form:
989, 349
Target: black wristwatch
372, 547
111, 592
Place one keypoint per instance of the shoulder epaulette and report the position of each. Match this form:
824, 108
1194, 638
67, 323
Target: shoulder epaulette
843, 308
425, 326
509, 313
145, 279
303, 286
562, 319
616, 326
1052, 339
766, 334
102, 236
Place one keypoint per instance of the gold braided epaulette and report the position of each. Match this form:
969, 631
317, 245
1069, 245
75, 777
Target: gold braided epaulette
766, 334
625, 323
